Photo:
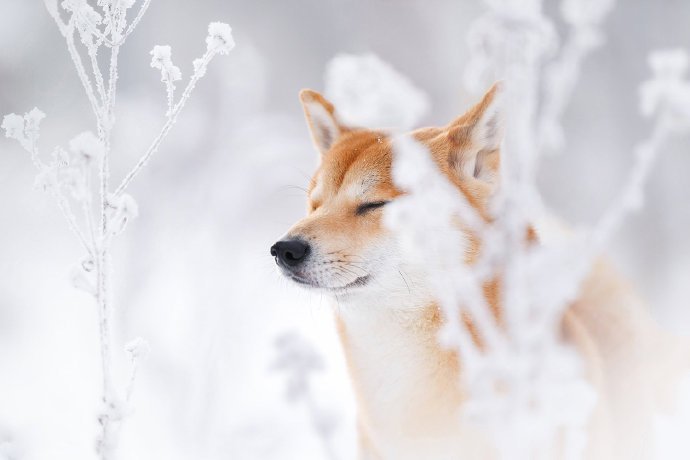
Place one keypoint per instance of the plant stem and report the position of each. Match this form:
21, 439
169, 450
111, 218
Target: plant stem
167, 126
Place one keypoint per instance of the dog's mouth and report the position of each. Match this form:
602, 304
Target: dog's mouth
356, 283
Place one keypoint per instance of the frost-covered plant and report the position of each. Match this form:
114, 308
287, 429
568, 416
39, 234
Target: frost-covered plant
79, 178
524, 386
298, 360
370, 92
584, 18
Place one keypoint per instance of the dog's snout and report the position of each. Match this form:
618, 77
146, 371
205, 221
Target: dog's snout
290, 253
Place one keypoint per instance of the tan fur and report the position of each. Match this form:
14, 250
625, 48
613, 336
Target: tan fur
406, 384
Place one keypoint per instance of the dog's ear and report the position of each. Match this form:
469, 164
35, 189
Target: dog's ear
321, 119
475, 139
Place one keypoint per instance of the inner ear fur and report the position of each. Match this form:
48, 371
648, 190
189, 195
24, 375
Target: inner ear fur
321, 119
475, 139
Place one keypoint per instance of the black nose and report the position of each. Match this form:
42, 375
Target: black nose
290, 253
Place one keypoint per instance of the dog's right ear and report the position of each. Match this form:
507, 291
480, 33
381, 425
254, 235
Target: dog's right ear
321, 119
475, 139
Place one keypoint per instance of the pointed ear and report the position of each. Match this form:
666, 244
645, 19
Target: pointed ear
475, 138
321, 119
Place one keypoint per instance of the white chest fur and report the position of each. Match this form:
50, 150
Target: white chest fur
407, 386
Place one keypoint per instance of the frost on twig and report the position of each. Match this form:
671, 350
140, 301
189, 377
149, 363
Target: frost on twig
80, 178
584, 19
218, 41
298, 360
666, 98
162, 59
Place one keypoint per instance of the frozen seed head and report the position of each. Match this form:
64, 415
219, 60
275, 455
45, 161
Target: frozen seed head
32, 123
668, 89
85, 17
161, 58
13, 125
23, 128
161, 54
86, 146
219, 38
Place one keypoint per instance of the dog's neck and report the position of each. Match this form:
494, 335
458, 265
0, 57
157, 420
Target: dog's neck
403, 380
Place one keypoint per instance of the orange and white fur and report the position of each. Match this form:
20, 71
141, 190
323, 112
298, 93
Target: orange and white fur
406, 385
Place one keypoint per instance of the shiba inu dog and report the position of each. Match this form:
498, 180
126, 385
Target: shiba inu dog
407, 386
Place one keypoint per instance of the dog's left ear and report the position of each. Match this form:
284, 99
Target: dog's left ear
321, 119
475, 139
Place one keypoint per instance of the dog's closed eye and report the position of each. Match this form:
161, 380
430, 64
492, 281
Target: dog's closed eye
366, 207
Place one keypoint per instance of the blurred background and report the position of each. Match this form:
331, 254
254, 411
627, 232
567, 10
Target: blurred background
193, 273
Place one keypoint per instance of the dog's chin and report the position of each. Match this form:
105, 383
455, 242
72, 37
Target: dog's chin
350, 287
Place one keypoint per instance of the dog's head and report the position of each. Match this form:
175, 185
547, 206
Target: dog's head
342, 245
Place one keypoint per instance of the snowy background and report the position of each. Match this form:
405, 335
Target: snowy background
193, 273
